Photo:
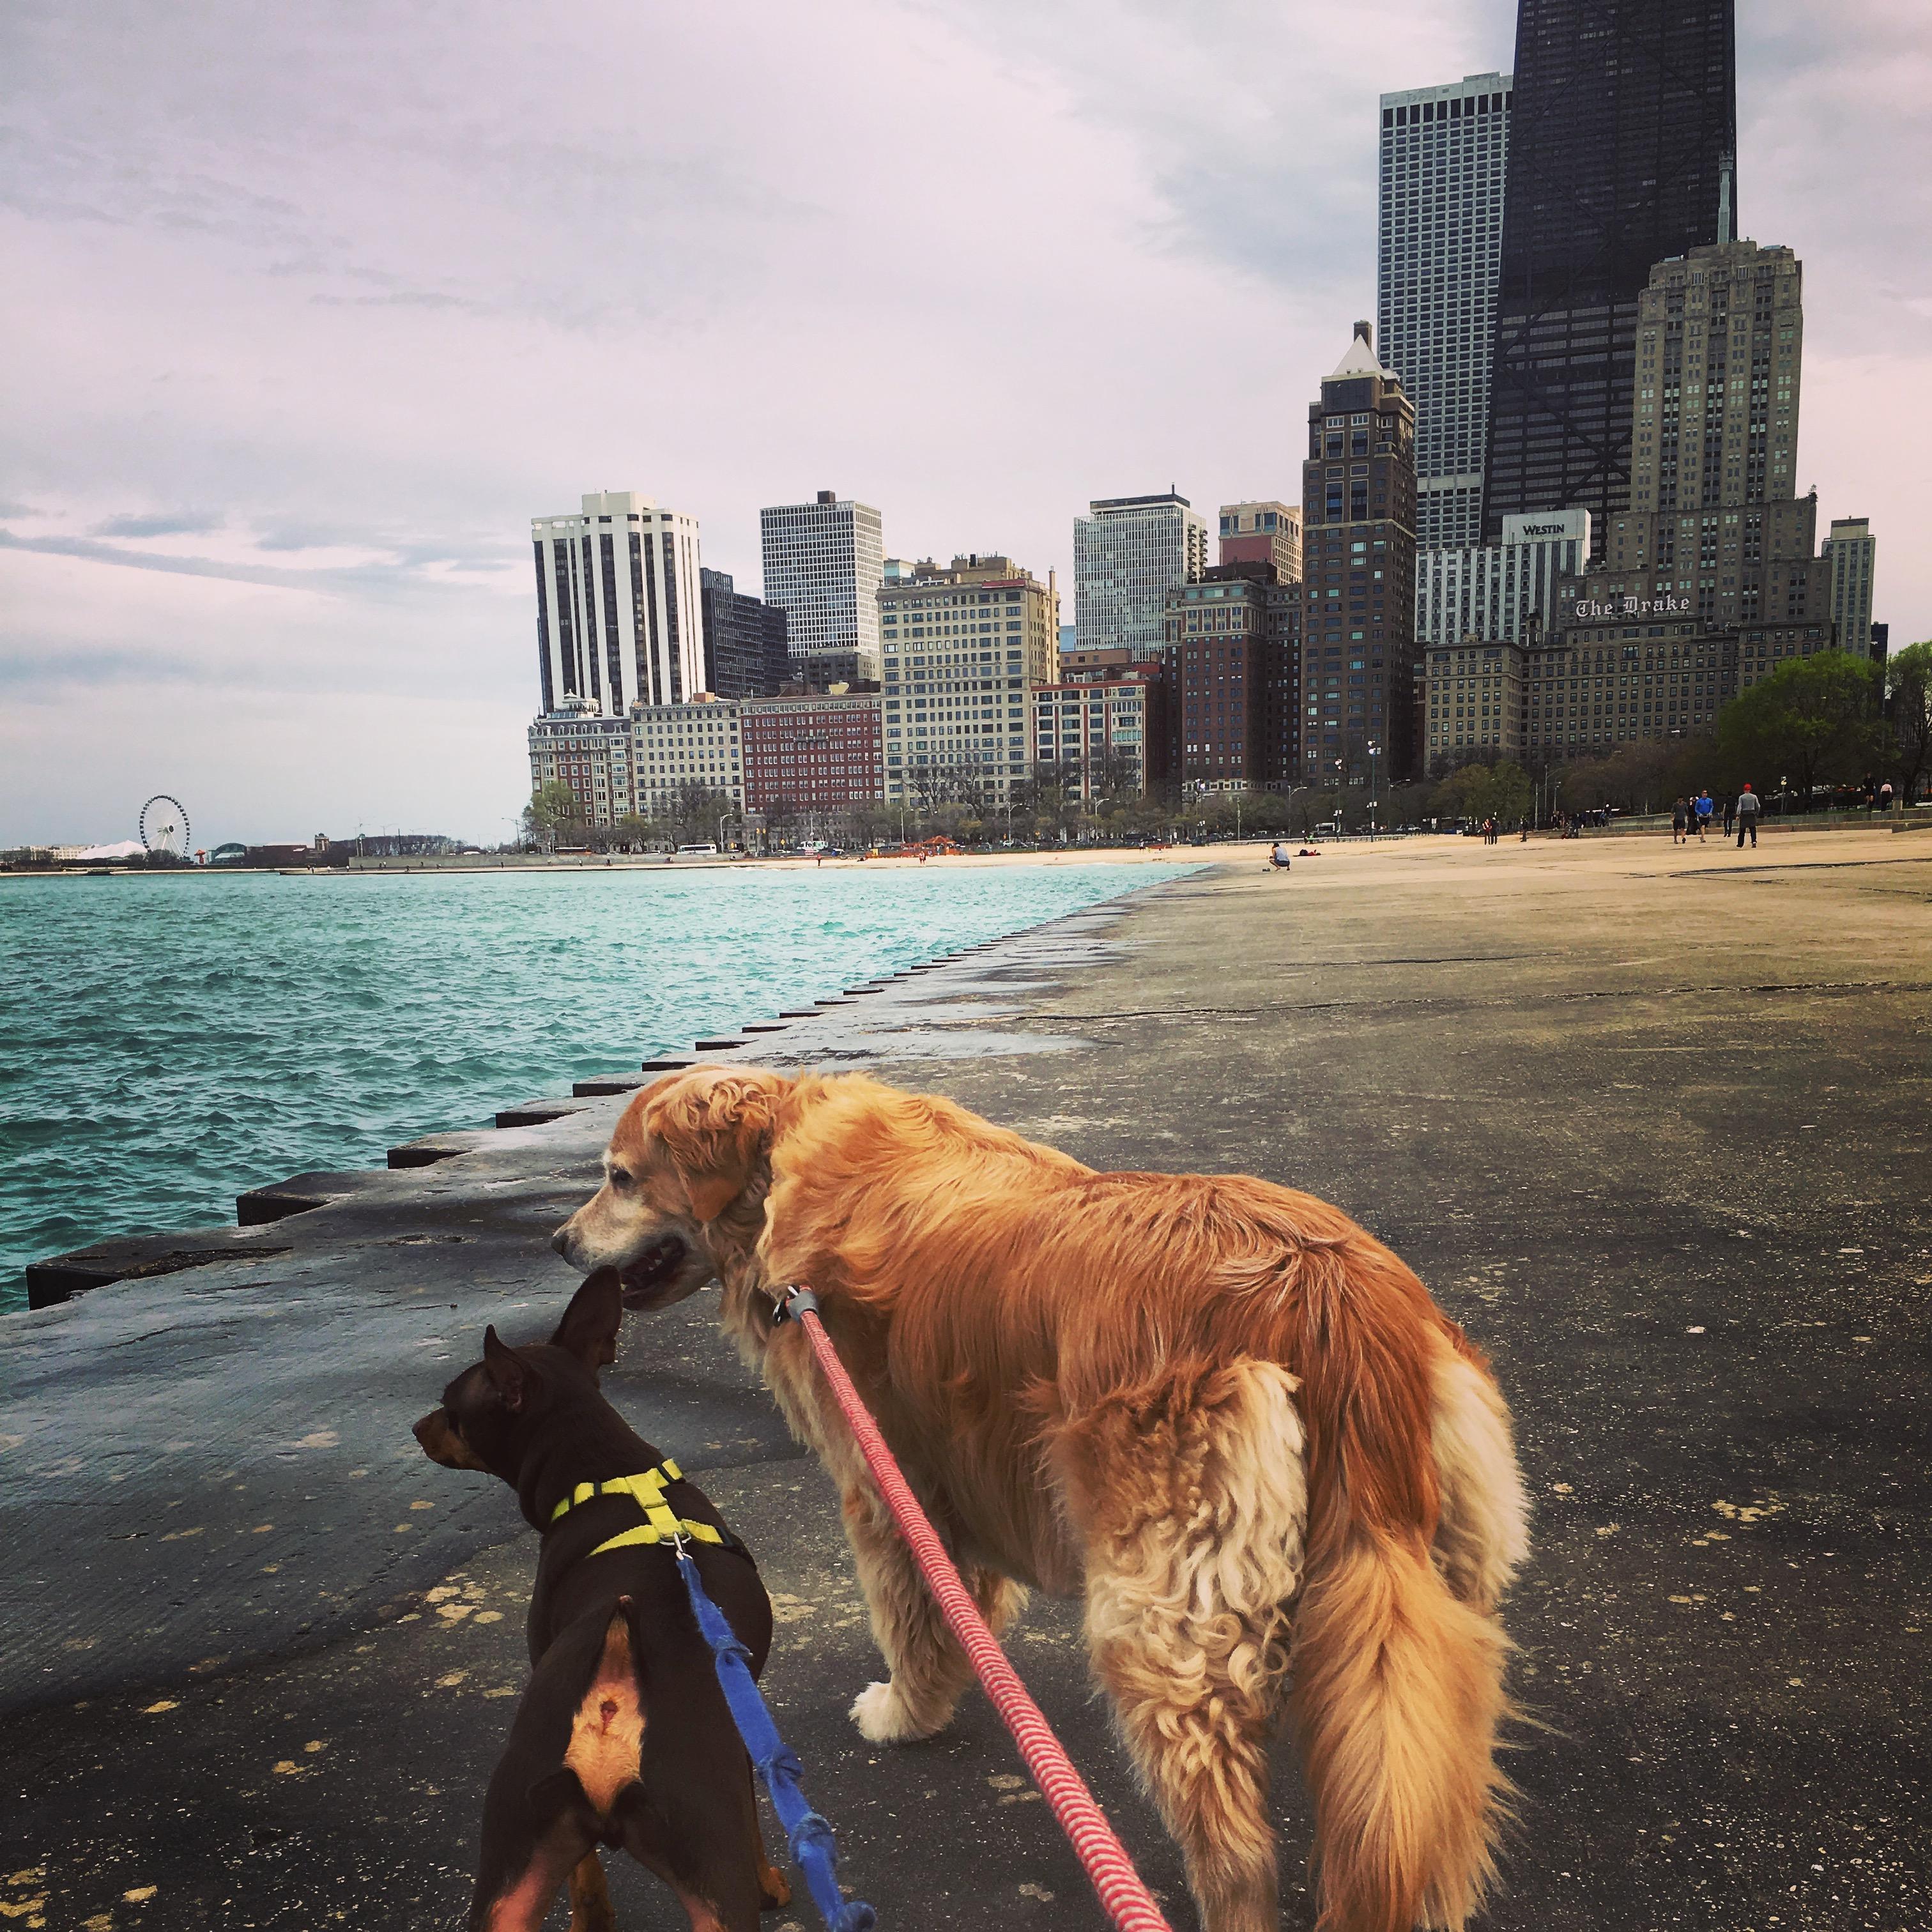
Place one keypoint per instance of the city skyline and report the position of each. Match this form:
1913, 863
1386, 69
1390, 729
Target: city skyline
262, 505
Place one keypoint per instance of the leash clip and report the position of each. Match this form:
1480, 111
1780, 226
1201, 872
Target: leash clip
789, 1303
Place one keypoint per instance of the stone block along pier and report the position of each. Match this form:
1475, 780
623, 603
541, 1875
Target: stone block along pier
1652, 1122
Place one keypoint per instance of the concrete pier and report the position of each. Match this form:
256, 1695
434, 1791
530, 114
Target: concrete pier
1651, 1121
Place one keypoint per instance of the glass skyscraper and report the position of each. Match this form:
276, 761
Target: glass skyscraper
1440, 230
1128, 552
1622, 147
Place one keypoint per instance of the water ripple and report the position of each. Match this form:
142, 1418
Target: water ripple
166, 1043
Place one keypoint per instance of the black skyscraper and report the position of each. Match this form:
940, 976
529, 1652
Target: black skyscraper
1621, 153
746, 652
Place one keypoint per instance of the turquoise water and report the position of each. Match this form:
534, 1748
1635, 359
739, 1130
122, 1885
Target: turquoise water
166, 1043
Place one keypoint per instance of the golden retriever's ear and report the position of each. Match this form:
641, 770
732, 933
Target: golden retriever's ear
714, 1124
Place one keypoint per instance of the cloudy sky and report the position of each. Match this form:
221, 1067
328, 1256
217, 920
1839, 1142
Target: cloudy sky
309, 309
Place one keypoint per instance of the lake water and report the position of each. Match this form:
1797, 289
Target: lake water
166, 1043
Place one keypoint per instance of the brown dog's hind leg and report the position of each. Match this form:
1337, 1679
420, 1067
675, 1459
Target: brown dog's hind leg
590, 1907
1190, 1494
928, 1671
773, 1889
523, 1902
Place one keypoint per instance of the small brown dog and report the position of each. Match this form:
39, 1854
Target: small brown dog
623, 1737
1219, 1410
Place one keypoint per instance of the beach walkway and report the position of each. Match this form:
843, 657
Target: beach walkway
1652, 1122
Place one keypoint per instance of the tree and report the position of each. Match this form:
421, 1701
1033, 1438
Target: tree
1908, 708
553, 816
1042, 803
1479, 789
1813, 720
781, 816
959, 781
692, 815
1643, 776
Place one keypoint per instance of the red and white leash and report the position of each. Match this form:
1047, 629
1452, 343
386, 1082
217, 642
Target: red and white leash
1128, 1902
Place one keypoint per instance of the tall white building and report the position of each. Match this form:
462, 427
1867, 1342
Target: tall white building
1443, 153
1493, 593
1128, 552
965, 645
1853, 552
619, 619
824, 562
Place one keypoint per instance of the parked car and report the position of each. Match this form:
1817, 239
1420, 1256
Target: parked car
1329, 828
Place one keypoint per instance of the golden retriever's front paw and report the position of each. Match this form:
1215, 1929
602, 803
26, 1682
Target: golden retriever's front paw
882, 1718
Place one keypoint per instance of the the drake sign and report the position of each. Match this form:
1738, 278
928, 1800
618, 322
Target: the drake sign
1586, 608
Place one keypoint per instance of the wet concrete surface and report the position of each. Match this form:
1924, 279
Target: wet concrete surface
1652, 1123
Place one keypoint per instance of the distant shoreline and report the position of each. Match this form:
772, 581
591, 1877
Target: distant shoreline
1101, 855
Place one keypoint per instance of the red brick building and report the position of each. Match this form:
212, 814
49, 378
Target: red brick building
1231, 664
821, 752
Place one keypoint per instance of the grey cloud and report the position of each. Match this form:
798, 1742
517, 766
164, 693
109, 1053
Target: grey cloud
42, 672
161, 523
38, 671
404, 298
340, 580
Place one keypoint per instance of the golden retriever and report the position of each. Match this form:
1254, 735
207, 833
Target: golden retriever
1217, 1410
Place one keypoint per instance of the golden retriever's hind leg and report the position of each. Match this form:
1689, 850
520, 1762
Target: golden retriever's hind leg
1482, 1536
928, 1670
1190, 1496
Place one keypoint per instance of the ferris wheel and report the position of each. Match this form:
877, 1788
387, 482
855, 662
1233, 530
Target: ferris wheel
164, 826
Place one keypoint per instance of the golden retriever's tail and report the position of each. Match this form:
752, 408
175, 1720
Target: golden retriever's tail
1398, 1660
1398, 1694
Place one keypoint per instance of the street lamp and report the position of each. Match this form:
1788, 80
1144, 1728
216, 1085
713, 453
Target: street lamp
1374, 752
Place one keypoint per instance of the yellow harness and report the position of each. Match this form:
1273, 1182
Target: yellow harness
661, 1524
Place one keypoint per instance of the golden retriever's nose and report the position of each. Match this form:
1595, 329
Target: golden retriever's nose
561, 1241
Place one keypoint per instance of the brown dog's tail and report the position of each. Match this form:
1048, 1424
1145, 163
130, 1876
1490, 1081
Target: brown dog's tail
1399, 1691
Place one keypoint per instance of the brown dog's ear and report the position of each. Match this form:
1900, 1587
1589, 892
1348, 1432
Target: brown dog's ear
509, 1375
589, 1329
715, 1124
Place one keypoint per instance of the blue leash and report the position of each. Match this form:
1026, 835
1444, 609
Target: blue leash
812, 1849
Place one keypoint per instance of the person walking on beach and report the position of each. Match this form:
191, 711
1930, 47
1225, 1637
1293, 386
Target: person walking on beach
1703, 808
1680, 817
1730, 812
1748, 809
